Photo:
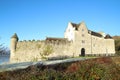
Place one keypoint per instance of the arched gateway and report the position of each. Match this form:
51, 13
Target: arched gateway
83, 52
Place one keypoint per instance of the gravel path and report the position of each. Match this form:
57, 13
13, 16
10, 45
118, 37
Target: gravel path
8, 67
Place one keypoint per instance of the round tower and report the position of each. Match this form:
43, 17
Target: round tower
13, 43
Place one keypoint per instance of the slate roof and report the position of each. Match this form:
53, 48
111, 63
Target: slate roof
95, 33
15, 36
108, 36
75, 25
53, 38
92, 32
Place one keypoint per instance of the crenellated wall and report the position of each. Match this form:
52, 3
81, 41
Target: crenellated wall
31, 50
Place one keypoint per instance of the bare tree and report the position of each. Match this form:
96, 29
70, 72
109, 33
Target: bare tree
3, 49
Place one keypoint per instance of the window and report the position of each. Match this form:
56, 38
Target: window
82, 29
83, 41
83, 35
76, 28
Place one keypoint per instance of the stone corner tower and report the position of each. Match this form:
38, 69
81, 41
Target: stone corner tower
13, 44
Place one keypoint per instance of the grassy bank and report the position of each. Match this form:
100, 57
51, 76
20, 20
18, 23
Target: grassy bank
105, 68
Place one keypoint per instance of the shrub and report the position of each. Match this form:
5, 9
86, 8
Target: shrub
117, 46
46, 51
92, 69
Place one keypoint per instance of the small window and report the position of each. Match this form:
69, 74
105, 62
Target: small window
83, 41
82, 29
76, 28
83, 35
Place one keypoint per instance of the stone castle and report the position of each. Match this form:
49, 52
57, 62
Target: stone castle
77, 41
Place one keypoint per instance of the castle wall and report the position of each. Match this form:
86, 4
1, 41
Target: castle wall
110, 46
61, 49
27, 51
98, 45
78, 39
31, 50
103, 46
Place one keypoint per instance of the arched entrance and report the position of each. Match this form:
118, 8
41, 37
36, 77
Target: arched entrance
83, 52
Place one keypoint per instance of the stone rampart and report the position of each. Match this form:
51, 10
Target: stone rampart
32, 50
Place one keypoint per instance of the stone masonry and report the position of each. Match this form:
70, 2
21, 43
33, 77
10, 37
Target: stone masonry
77, 41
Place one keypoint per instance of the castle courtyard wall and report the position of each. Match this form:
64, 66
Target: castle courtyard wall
31, 50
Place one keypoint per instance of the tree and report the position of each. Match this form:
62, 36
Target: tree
4, 50
117, 47
1, 49
46, 51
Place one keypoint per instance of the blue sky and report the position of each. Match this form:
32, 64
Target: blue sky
38, 19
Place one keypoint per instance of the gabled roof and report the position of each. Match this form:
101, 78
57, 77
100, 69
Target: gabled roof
78, 25
91, 32
108, 36
75, 25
